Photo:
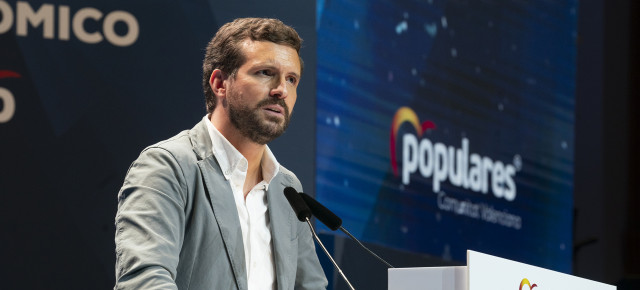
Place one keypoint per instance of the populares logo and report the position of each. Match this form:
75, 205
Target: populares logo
8, 108
88, 24
525, 281
442, 163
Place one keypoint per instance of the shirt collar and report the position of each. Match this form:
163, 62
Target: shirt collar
231, 159
270, 166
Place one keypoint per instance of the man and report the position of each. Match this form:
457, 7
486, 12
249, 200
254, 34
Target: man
205, 209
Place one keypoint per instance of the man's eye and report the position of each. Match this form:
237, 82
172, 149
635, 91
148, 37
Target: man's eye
264, 72
292, 80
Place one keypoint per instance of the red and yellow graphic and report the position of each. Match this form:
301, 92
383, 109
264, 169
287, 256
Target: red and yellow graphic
525, 281
405, 114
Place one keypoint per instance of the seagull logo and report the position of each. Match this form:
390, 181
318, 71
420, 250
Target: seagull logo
405, 114
525, 281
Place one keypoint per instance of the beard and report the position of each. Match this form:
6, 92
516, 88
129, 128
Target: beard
252, 123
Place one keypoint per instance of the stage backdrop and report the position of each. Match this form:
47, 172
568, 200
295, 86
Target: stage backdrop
448, 125
441, 126
84, 87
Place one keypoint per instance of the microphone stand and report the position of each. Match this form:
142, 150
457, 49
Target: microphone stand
363, 246
329, 255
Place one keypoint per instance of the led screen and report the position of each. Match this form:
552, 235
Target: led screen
448, 125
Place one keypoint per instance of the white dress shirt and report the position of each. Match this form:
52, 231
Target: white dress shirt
253, 212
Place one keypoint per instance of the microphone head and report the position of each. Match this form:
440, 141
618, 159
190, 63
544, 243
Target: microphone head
297, 203
322, 213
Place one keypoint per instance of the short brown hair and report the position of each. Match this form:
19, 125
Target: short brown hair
224, 52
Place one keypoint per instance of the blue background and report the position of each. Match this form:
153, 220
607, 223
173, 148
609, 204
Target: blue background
499, 74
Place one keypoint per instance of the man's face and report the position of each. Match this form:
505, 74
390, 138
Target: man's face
261, 96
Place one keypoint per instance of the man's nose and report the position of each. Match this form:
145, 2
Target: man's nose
280, 89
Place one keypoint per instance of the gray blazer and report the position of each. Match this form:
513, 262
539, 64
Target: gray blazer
177, 226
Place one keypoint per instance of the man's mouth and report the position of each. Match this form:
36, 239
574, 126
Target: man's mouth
274, 108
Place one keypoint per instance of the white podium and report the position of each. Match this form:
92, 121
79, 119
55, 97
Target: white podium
486, 272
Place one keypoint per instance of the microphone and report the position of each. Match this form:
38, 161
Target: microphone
326, 216
332, 221
304, 213
322, 213
299, 206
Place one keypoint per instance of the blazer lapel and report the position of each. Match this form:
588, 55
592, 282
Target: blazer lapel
222, 202
226, 214
283, 232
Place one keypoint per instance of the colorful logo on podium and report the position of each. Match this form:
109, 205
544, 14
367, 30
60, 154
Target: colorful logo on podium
525, 281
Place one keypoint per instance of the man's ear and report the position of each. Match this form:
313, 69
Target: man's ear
218, 84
